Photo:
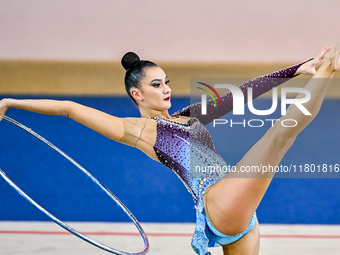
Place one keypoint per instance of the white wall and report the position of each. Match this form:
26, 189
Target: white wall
176, 30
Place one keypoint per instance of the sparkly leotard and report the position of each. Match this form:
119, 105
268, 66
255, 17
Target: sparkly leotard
180, 145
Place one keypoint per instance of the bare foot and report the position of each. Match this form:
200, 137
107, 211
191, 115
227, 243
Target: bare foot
335, 58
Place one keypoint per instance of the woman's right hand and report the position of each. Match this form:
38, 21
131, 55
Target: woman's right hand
3, 107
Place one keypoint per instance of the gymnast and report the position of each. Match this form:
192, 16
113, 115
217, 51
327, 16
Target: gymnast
225, 206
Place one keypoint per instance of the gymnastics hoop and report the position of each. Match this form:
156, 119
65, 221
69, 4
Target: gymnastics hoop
64, 225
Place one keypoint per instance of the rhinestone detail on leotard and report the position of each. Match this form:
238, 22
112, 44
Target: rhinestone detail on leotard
179, 145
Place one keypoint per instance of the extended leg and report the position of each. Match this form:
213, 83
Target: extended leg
231, 202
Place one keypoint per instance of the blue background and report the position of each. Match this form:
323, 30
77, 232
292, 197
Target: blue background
150, 190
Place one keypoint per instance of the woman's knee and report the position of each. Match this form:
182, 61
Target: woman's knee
280, 138
284, 133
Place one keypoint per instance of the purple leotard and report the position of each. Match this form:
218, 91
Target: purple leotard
179, 146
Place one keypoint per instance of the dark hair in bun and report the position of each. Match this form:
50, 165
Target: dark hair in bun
129, 60
134, 71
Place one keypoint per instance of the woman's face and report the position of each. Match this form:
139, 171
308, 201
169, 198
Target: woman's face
154, 92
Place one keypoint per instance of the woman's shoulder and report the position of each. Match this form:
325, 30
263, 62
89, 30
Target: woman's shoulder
140, 133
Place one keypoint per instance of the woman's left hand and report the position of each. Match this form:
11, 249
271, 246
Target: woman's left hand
309, 67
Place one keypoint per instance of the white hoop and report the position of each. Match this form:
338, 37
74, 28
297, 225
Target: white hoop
62, 224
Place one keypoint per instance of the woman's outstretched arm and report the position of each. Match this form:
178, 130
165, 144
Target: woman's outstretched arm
260, 86
230, 214
103, 123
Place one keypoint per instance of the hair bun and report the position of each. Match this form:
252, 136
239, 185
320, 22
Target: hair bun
129, 60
